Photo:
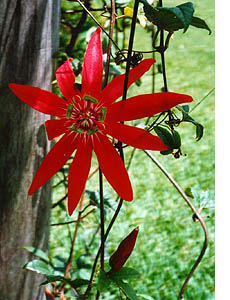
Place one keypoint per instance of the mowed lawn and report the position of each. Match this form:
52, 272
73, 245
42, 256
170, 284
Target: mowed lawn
169, 240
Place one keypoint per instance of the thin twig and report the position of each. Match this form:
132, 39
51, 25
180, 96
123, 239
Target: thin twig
68, 265
69, 261
131, 158
75, 221
95, 20
196, 213
76, 30
195, 106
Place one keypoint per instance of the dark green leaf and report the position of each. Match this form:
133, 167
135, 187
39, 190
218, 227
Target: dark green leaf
73, 283
166, 152
39, 267
177, 140
170, 18
124, 273
181, 14
151, 13
126, 289
188, 118
103, 282
199, 131
199, 23
164, 135
52, 278
185, 107
188, 192
39, 253
77, 282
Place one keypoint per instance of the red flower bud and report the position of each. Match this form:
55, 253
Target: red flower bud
124, 250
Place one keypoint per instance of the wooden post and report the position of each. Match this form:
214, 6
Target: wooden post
29, 33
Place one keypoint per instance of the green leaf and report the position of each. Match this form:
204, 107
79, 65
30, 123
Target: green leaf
103, 282
170, 18
177, 140
199, 23
126, 289
39, 253
181, 14
185, 107
39, 267
76, 283
166, 152
124, 273
151, 13
52, 278
188, 192
188, 118
73, 283
199, 131
165, 136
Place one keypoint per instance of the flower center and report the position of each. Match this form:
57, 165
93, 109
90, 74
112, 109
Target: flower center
86, 116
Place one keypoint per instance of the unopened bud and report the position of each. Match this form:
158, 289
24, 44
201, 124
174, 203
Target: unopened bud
124, 250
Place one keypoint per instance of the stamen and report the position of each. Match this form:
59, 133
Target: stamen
69, 110
78, 130
103, 114
90, 98
92, 131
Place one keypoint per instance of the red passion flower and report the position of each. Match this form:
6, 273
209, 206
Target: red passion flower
88, 116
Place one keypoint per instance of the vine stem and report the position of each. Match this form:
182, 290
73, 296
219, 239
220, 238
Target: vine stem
102, 217
196, 213
162, 49
120, 147
131, 40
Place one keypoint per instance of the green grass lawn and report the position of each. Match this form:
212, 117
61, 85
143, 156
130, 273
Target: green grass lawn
169, 241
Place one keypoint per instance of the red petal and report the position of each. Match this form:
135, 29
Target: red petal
112, 166
78, 172
41, 100
54, 160
114, 89
136, 137
92, 70
66, 79
145, 105
54, 128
